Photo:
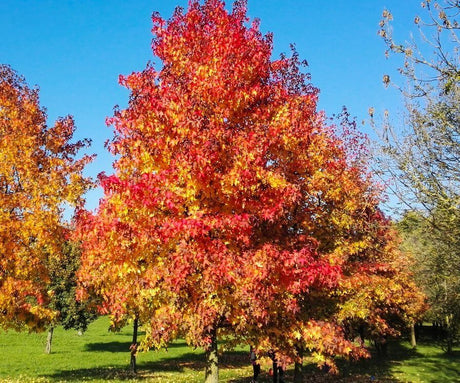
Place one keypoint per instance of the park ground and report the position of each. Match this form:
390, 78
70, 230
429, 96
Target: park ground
102, 356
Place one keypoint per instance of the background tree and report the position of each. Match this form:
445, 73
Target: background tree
432, 269
73, 314
424, 159
234, 210
38, 175
382, 301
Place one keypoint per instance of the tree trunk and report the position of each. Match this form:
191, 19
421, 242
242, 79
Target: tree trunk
49, 340
413, 339
298, 368
275, 371
298, 373
212, 367
449, 333
449, 343
133, 347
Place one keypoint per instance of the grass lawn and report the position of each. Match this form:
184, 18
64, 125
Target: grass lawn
102, 356
427, 363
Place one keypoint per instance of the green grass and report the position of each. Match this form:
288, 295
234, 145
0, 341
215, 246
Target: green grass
103, 356
99, 355
425, 364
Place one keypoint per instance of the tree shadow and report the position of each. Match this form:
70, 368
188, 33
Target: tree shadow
193, 361
187, 361
123, 346
89, 374
375, 369
378, 367
234, 359
108, 347
196, 361
177, 344
436, 363
401, 357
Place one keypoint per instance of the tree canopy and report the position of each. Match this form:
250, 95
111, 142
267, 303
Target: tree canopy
39, 174
235, 209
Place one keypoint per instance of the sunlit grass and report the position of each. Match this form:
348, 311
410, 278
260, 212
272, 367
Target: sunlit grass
103, 356
427, 364
99, 355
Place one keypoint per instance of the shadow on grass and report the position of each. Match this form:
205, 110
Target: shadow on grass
436, 365
191, 361
379, 366
122, 346
188, 361
196, 361
376, 370
433, 365
401, 359
88, 374
177, 344
108, 346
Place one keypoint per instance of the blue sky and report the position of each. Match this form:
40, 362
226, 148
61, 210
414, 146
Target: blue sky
74, 51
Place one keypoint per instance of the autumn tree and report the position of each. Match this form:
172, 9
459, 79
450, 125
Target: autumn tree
423, 158
382, 300
39, 174
234, 209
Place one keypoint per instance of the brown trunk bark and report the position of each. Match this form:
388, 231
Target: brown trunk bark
133, 347
413, 339
298, 373
212, 366
450, 335
449, 344
275, 372
298, 368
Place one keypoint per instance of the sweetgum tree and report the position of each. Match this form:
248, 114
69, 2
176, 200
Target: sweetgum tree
39, 173
234, 209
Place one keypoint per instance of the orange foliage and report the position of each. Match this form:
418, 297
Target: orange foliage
38, 174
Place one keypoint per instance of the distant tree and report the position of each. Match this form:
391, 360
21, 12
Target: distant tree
72, 314
235, 210
39, 174
424, 160
383, 301
436, 271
